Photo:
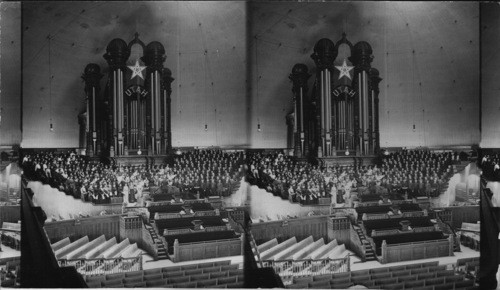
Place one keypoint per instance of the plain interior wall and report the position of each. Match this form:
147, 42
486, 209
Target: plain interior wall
204, 43
432, 43
10, 73
490, 87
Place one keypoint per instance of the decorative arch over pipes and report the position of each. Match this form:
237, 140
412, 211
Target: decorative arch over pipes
132, 116
341, 115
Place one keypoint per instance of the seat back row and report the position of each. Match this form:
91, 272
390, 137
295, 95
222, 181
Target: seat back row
440, 283
145, 274
213, 279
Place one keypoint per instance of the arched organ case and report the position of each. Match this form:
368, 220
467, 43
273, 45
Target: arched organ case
341, 115
133, 115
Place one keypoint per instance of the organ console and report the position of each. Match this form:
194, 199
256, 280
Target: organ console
133, 114
341, 115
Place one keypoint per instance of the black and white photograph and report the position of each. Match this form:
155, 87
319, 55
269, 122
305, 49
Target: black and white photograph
133, 130
377, 105
249, 144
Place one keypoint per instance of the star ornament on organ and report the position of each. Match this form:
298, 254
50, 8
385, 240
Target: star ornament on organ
344, 70
137, 70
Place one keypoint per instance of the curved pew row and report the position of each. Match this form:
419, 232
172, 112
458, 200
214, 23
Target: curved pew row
428, 275
220, 274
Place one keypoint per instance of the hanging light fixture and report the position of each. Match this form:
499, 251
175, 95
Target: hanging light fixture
205, 87
51, 126
257, 84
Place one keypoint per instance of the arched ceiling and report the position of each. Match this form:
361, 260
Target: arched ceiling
204, 43
435, 44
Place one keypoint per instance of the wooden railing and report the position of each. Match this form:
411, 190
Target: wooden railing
366, 203
168, 202
168, 232
164, 243
447, 229
375, 216
381, 216
216, 229
390, 232
255, 251
416, 250
402, 201
417, 213
356, 245
324, 200
91, 267
424, 229
376, 233
207, 249
206, 213
287, 269
164, 215
148, 244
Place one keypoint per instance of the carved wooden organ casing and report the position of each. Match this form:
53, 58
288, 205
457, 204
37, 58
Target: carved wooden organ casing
133, 115
340, 117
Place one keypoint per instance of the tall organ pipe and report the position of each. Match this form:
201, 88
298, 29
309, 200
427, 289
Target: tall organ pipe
158, 110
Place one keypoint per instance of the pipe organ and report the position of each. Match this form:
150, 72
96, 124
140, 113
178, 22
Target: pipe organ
92, 76
132, 117
299, 77
341, 116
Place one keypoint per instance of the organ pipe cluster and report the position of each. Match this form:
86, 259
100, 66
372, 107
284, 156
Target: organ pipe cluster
341, 115
132, 116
